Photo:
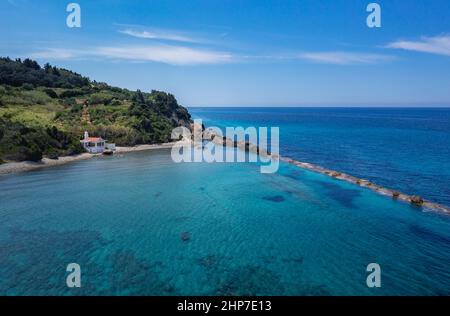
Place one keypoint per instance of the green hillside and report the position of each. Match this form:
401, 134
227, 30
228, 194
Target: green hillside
45, 110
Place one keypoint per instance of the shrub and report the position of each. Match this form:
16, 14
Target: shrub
71, 93
101, 98
52, 153
34, 97
75, 148
51, 93
76, 108
28, 86
115, 102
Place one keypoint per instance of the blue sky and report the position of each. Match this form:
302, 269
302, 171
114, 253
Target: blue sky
245, 53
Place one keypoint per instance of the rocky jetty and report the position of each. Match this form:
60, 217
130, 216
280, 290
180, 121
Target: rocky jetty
243, 145
412, 199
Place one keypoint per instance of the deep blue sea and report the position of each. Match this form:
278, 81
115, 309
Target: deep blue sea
139, 224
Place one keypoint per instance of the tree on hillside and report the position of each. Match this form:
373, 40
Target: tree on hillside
47, 68
31, 64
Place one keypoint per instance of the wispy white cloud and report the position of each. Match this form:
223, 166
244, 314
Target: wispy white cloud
183, 55
435, 45
174, 55
158, 34
56, 53
344, 58
168, 54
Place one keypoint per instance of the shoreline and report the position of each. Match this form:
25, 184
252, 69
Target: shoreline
11, 167
23, 166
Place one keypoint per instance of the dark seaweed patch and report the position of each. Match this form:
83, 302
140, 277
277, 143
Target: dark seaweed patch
429, 235
249, 280
341, 195
35, 261
255, 279
274, 198
294, 174
133, 276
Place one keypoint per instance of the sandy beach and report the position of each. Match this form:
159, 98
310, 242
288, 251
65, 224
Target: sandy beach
13, 167
22, 166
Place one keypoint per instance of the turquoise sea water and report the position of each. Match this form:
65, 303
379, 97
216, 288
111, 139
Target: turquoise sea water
124, 218
403, 149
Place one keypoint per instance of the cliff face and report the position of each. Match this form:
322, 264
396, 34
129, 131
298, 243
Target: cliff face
45, 110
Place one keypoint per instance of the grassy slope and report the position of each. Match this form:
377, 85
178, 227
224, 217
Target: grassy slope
49, 120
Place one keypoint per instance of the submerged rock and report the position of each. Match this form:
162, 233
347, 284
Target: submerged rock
208, 261
185, 236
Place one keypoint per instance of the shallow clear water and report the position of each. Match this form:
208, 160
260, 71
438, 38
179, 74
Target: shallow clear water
291, 233
403, 149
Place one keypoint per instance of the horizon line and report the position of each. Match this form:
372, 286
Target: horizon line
434, 106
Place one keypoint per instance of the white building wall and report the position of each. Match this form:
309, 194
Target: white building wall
96, 150
93, 150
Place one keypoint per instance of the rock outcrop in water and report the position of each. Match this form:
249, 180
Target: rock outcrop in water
417, 200
395, 194
185, 236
